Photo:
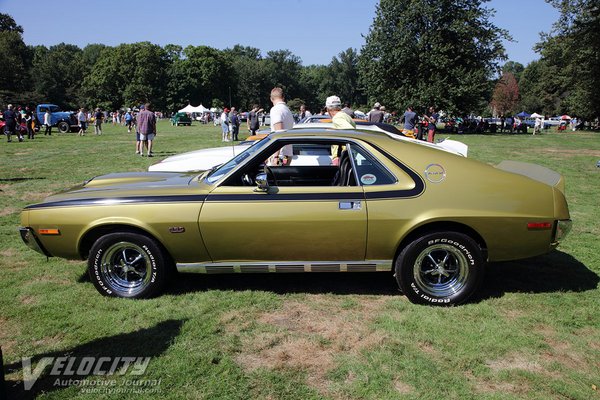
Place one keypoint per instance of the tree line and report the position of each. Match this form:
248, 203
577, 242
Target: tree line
446, 53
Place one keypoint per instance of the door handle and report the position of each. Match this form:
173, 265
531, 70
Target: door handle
350, 205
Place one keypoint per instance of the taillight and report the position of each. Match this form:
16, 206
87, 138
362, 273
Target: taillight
539, 226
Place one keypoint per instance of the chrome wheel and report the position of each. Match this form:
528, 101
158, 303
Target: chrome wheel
126, 268
441, 270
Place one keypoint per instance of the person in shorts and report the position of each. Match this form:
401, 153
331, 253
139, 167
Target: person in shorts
146, 122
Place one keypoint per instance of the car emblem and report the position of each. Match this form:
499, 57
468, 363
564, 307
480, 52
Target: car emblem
435, 173
368, 179
177, 229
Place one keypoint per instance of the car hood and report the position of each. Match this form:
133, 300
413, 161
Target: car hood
198, 160
120, 187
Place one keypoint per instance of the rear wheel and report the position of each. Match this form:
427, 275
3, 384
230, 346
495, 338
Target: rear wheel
443, 268
128, 265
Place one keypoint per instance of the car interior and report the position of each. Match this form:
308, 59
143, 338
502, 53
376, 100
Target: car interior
313, 165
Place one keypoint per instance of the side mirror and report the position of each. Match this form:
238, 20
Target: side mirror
262, 185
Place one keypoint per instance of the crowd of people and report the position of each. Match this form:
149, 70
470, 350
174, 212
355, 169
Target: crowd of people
21, 122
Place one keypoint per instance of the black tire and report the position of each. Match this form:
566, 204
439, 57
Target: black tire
63, 127
442, 268
128, 265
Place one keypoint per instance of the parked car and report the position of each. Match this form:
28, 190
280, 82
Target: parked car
203, 159
65, 121
431, 217
181, 118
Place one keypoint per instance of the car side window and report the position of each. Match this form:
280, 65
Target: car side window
368, 170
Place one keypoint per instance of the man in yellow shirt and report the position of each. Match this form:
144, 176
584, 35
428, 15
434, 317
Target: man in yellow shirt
340, 120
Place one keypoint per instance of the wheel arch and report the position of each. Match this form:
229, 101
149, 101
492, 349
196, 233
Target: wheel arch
442, 226
90, 237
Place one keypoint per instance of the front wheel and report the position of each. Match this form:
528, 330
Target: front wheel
129, 265
64, 127
443, 268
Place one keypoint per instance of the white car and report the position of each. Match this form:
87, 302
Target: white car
205, 159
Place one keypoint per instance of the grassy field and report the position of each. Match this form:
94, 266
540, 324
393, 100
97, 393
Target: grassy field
532, 333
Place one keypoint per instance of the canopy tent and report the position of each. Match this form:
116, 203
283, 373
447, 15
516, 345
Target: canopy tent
536, 115
523, 114
191, 109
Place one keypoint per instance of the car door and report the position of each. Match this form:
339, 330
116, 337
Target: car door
287, 223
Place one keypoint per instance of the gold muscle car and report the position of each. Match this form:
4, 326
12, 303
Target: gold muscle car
431, 217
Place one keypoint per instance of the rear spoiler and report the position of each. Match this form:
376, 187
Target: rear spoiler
535, 172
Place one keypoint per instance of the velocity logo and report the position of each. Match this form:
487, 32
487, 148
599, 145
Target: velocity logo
81, 367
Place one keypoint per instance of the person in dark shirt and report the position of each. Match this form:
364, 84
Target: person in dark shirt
432, 120
376, 115
253, 122
29, 123
10, 123
410, 121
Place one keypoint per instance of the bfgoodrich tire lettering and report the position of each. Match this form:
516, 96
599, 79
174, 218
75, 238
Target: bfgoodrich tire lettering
443, 268
127, 265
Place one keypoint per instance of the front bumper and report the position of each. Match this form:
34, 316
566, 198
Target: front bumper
32, 241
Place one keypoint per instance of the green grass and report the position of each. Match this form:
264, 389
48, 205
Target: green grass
533, 332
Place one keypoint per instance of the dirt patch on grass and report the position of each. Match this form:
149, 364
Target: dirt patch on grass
8, 211
7, 190
514, 361
571, 152
9, 253
35, 196
309, 335
50, 342
403, 388
8, 331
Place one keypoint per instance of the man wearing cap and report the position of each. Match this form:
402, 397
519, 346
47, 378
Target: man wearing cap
376, 115
340, 119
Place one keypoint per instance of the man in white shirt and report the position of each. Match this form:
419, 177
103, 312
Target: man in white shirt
82, 119
281, 119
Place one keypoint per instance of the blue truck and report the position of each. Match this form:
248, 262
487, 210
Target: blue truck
65, 121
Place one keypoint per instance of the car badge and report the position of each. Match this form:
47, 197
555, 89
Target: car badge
368, 179
177, 229
435, 173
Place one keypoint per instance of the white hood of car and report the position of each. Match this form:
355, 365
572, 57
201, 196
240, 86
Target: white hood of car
198, 160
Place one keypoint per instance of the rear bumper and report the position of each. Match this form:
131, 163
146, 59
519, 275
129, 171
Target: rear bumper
32, 241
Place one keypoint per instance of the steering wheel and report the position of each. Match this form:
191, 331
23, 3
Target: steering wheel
268, 170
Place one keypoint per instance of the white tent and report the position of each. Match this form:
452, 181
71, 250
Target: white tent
191, 109
536, 115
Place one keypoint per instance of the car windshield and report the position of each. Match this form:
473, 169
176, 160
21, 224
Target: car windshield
224, 169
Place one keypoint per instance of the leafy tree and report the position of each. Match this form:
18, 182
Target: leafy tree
283, 70
128, 75
343, 77
14, 59
515, 68
314, 80
57, 73
440, 53
506, 94
8, 24
248, 81
570, 60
